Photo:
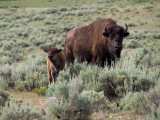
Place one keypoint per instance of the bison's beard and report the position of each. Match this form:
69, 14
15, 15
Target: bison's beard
118, 54
113, 57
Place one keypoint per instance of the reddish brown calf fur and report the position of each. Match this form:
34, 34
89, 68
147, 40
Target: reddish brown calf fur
55, 63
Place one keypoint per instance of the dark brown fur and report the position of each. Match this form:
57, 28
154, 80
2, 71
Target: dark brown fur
55, 63
93, 42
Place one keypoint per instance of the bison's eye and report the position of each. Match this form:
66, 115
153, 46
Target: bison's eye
53, 52
111, 37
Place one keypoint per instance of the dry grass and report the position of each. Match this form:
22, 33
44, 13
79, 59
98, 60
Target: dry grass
122, 115
28, 97
35, 24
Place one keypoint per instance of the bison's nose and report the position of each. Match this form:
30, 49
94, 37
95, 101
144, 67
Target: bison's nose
118, 47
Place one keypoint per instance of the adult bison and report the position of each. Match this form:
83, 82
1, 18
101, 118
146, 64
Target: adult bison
55, 63
95, 43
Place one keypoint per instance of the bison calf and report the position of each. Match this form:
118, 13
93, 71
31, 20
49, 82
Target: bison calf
55, 63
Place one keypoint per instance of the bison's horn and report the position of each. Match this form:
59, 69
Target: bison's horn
126, 27
105, 28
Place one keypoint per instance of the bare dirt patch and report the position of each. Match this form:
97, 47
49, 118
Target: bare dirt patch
122, 115
28, 97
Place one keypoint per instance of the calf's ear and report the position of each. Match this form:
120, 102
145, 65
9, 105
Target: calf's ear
58, 50
125, 34
45, 50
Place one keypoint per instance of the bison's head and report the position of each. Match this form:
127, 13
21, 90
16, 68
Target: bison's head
115, 35
52, 53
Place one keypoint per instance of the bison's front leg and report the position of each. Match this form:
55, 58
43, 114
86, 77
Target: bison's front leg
79, 58
68, 56
98, 61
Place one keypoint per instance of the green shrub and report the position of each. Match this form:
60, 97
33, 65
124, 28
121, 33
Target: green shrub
73, 101
139, 1
133, 101
147, 57
156, 61
29, 81
51, 11
25, 77
5, 60
152, 104
127, 10
3, 84
115, 81
17, 111
21, 32
97, 99
132, 44
64, 75
155, 114
153, 117
4, 95
144, 34
158, 15
3, 24
71, 104
148, 7
5, 75
39, 40
143, 103
143, 23
40, 91
76, 68
38, 17
90, 76
126, 76
49, 22
131, 25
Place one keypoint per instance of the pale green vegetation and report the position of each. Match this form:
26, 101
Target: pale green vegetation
14, 110
133, 84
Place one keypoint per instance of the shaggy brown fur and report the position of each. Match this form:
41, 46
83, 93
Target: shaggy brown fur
55, 63
95, 43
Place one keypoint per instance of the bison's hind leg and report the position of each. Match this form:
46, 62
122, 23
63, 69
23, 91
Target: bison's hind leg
80, 58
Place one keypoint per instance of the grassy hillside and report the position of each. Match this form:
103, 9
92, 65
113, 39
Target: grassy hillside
53, 3
29, 26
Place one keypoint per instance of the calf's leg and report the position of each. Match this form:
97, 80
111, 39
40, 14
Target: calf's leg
49, 77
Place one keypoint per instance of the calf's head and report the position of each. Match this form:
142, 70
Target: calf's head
115, 35
52, 54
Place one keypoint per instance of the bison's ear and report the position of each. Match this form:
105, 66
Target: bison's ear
45, 50
125, 34
106, 34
